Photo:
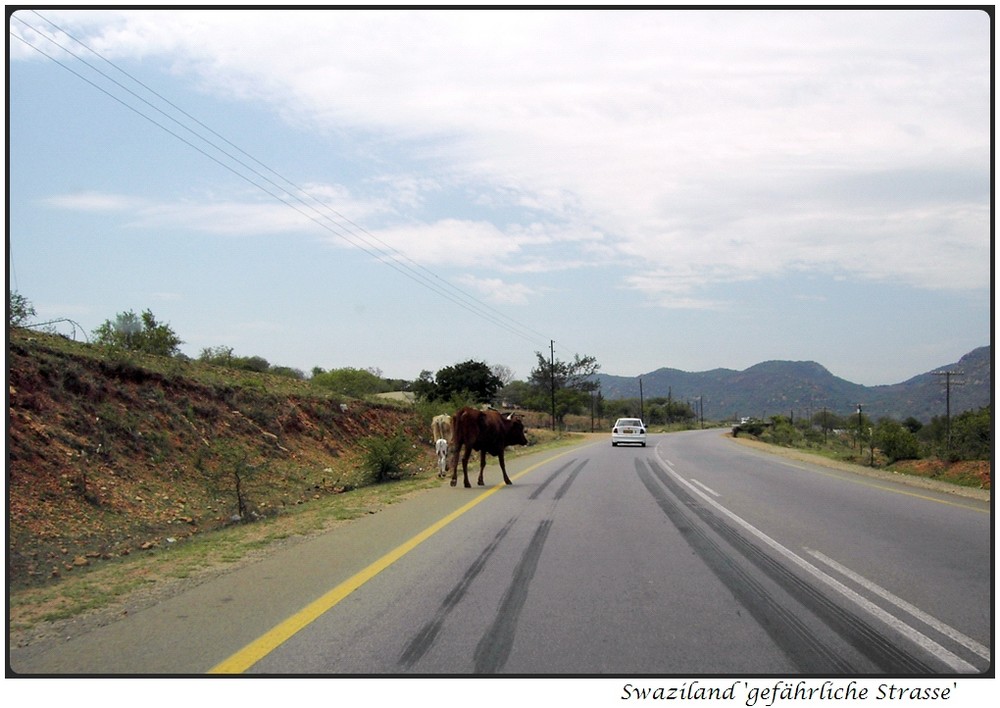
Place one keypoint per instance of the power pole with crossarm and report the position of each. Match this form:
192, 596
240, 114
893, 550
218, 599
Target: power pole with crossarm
948, 383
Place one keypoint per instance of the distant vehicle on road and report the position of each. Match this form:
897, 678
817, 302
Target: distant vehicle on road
628, 431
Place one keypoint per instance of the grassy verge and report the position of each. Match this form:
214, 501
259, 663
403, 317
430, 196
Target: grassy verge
111, 587
110, 583
969, 479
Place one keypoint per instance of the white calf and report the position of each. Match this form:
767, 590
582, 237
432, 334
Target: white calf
441, 446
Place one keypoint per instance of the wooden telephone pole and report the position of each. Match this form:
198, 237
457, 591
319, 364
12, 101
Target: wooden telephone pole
948, 383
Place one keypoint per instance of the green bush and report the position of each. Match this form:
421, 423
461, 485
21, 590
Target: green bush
972, 435
387, 458
349, 381
896, 441
131, 332
782, 432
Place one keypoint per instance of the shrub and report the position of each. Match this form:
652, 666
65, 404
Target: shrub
136, 333
896, 441
781, 432
386, 458
972, 435
351, 382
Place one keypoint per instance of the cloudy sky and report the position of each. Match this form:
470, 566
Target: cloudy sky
407, 190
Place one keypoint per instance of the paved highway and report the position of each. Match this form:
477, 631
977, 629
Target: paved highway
692, 556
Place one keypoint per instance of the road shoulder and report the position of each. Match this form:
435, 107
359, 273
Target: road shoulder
887, 475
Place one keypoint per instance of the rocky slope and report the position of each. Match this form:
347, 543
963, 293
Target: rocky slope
108, 454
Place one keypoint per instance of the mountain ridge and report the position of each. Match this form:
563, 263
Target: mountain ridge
805, 387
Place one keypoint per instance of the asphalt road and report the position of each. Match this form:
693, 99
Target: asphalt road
693, 556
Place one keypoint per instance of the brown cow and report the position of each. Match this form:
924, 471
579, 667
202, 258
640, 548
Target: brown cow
487, 432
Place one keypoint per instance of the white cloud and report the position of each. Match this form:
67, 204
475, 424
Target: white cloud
94, 201
453, 242
497, 290
710, 147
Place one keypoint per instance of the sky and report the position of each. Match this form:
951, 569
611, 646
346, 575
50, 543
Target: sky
405, 190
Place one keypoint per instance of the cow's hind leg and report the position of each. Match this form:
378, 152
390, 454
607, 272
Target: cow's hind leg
503, 469
454, 466
465, 465
482, 466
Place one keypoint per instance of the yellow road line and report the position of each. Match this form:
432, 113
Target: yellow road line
271, 640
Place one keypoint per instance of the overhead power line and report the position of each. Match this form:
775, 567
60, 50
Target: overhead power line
292, 195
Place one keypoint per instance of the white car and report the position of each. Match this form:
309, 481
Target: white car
628, 430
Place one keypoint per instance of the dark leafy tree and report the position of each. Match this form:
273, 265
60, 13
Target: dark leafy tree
424, 387
469, 379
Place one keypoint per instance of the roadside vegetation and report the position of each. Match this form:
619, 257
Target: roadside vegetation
957, 449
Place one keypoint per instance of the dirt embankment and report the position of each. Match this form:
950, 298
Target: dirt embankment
108, 455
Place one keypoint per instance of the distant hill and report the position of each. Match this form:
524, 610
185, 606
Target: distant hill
805, 387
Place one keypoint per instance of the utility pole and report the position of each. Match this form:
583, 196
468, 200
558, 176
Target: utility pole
552, 379
641, 411
948, 383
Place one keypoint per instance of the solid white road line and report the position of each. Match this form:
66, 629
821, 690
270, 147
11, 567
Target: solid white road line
947, 630
953, 661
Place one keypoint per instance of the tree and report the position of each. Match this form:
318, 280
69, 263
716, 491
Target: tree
140, 334
504, 373
566, 386
424, 387
469, 379
19, 309
517, 393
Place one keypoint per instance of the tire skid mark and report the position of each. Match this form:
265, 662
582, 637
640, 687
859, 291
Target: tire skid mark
569, 480
787, 630
424, 639
858, 633
548, 480
494, 647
